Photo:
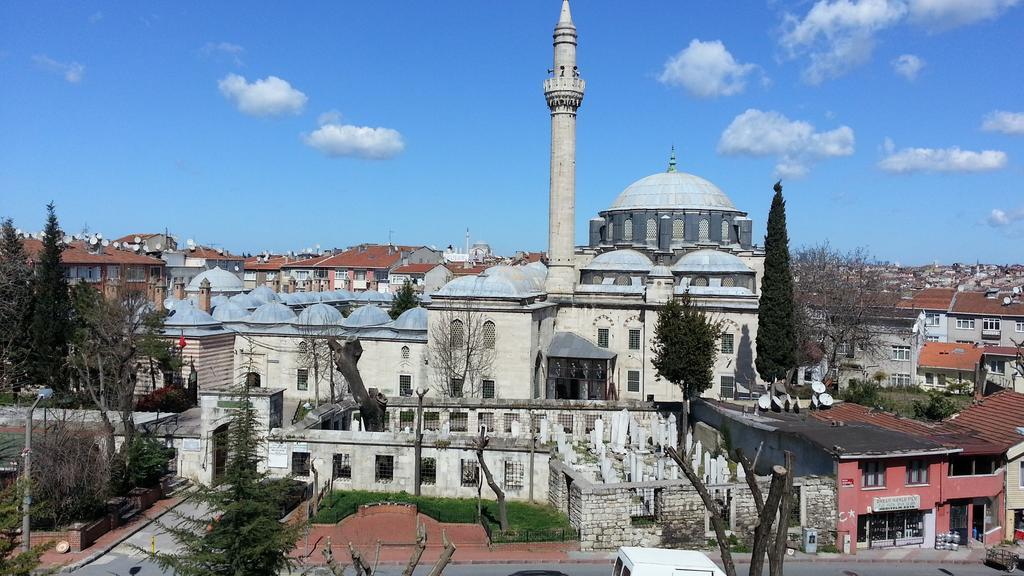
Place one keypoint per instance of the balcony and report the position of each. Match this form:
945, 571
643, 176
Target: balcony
360, 284
991, 334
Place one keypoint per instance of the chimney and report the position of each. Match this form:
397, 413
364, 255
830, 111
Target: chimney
276, 282
179, 290
315, 284
204, 295
159, 295
289, 286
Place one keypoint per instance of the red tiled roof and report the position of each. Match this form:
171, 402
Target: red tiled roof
457, 270
77, 254
207, 252
929, 299
272, 264
1000, 350
415, 268
978, 303
949, 355
130, 238
850, 412
367, 256
314, 262
994, 420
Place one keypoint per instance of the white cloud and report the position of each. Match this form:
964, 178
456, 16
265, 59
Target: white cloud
908, 66
838, 35
945, 14
999, 218
270, 96
706, 70
910, 160
1005, 122
335, 139
795, 143
224, 49
71, 71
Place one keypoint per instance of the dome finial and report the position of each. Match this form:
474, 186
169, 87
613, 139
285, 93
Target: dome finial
672, 160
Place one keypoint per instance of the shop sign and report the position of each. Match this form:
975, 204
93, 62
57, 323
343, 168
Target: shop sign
889, 503
847, 482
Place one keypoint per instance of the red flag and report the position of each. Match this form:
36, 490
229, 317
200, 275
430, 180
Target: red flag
181, 342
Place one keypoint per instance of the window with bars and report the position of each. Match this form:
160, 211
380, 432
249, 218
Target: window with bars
633, 381
602, 337
725, 231
456, 387
383, 468
795, 516
302, 379
486, 420
428, 471
699, 281
652, 229
431, 421
622, 280
341, 466
728, 282
406, 418
487, 388
678, 232
488, 336
405, 385
565, 421
458, 337
728, 387
627, 229
459, 422
634, 339
727, 343
590, 421
703, 230
535, 420
509, 419
405, 352
300, 463
513, 475
470, 473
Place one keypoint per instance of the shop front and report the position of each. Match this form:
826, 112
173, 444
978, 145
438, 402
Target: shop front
896, 521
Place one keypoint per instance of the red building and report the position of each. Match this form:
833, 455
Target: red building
108, 269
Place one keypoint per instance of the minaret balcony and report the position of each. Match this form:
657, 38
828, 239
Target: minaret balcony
563, 83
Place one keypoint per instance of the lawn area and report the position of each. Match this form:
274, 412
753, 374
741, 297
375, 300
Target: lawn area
901, 401
521, 516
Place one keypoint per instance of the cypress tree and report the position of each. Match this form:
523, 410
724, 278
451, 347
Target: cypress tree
15, 308
405, 299
776, 325
52, 310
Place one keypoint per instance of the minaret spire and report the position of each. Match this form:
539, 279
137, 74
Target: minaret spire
672, 160
564, 94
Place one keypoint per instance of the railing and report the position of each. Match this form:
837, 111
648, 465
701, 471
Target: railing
497, 536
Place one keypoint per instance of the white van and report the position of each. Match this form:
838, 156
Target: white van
636, 561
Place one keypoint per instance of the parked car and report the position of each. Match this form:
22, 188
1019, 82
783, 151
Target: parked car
636, 561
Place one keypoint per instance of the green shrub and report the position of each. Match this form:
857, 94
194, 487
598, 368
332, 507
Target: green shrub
863, 392
167, 399
141, 465
939, 406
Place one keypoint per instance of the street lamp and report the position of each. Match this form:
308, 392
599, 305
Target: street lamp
420, 393
26, 529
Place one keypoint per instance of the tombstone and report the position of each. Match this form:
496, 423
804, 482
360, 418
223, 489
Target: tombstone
695, 462
357, 425
641, 439
599, 429
707, 463
672, 427
723, 469
634, 431
689, 439
661, 469
698, 449
741, 475
674, 469
516, 428
545, 430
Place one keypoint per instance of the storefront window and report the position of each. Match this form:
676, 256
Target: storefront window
893, 529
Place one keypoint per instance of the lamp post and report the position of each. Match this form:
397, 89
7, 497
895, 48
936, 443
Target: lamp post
26, 529
420, 393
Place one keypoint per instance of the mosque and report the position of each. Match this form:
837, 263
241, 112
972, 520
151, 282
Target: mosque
579, 327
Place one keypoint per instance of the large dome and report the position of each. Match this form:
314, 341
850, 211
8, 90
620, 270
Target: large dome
221, 282
711, 261
673, 191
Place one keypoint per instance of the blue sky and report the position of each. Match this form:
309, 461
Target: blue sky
895, 124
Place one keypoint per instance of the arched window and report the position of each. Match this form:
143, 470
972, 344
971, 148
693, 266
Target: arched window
596, 279
622, 280
489, 335
703, 232
611, 231
252, 379
303, 347
700, 281
627, 229
405, 352
458, 334
652, 229
677, 229
725, 232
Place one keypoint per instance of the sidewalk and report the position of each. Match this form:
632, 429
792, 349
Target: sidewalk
73, 560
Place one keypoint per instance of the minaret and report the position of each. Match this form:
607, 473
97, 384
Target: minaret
564, 93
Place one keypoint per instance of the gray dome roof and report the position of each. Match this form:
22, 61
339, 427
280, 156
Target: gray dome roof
170, 302
184, 316
710, 261
526, 277
374, 296
218, 300
221, 281
320, 314
624, 260
411, 319
368, 315
495, 282
673, 191
660, 270
246, 301
272, 313
264, 294
230, 312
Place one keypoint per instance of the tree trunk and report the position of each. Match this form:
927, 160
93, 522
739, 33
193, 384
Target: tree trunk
712, 507
360, 564
498, 492
777, 553
446, 556
417, 553
371, 408
763, 531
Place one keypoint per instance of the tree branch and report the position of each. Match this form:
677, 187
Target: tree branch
712, 507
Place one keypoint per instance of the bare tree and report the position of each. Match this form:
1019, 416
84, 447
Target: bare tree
70, 474
460, 348
480, 444
315, 356
372, 404
842, 303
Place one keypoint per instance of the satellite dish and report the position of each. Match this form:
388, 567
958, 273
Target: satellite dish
99, 235
105, 243
817, 387
236, 268
220, 250
117, 245
18, 232
764, 402
825, 400
145, 247
159, 245
137, 240
814, 401
93, 241
776, 403
1007, 301
192, 247
190, 242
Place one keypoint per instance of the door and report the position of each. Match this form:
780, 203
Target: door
220, 452
958, 521
978, 521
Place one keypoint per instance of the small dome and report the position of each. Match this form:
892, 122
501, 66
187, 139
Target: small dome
188, 316
711, 261
411, 319
170, 302
272, 313
526, 278
264, 294
621, 261
320, 315
495, 282
221, 281
673, 191
368, 315
218, 300
374, 296
246, 301
230, 312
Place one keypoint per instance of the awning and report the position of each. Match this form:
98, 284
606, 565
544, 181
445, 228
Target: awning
569, 345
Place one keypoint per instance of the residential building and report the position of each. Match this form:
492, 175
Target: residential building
1001, 367
935, 303
108, 269
994, 318
425, 278
949, 365
368, 266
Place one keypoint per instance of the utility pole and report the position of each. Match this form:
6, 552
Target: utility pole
420, 393
26, 526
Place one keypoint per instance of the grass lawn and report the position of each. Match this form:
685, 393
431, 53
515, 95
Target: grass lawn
901, 401
521, 516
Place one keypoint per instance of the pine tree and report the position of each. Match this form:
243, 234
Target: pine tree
13, 562
51, 315
776, 324
15, 309
405, 299
241, 534
685, 347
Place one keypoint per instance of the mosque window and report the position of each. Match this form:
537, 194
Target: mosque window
596, 279
489, 335
700, 281
405, 352
622, 280
302, 379
458, 337
703, 232
303, 347
728, 282
602, 337
652, 229
677, 229
725, 231
610, 230
627, 229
